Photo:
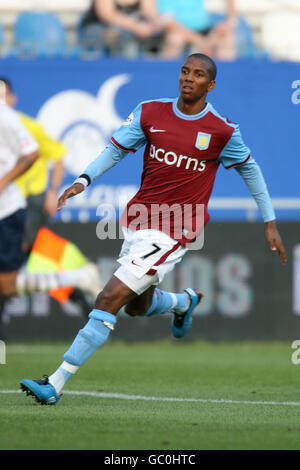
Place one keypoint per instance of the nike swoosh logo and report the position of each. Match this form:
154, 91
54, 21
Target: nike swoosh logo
133, 262
152, 129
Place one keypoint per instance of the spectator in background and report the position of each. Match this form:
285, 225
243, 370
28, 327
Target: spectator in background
193, 15
126, 26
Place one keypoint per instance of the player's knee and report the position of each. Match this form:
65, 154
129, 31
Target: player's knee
4, 290
133, 310
7, 288
104, 298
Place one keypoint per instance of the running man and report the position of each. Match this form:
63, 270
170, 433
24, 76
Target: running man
186, 139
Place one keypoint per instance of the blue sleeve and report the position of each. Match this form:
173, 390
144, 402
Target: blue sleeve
253, 177
130, 136
106, 160
235, 151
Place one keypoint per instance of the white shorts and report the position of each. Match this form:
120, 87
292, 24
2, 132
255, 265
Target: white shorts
146, 256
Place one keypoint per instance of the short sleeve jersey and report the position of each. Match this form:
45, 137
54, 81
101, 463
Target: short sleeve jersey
182, 155
15, 141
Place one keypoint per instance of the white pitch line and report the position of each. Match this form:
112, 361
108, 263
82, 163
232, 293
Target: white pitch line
122, 396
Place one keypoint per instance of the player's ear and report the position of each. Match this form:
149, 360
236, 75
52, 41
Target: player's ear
211, 85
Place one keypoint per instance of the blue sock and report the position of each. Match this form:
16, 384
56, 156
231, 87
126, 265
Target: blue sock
91, 337
163, 301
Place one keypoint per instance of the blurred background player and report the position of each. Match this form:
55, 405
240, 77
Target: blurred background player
183, 176
127, 27
18, 152
39, 185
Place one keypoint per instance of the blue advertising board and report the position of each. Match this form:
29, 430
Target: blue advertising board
83, 102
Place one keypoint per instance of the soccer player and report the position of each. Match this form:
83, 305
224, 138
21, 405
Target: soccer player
18, 152
41, 197
186, 139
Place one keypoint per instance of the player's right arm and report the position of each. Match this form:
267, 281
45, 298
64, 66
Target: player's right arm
127, 139
28, 149
237, 155
22, 165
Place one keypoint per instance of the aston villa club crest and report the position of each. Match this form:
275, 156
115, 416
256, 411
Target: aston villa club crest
202, 141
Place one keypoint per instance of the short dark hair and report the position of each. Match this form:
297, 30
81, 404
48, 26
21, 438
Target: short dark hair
7, 83
211, 64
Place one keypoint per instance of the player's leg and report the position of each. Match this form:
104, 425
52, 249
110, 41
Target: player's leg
156, 301
177, 37
90, 338
15, 280
36, 218
141, 303
22, 282
223, 40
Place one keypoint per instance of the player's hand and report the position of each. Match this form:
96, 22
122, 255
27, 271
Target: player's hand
70, 192
275, 241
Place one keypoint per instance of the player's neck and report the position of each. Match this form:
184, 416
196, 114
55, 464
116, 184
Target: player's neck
191, 107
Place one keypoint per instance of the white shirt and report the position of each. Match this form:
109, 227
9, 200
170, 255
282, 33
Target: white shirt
15, 141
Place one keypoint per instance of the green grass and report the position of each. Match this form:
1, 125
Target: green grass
234, 371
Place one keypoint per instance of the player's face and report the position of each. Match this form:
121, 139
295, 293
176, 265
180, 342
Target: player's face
9, 97
194, 80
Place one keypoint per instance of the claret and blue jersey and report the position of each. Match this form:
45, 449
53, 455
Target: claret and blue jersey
214, 135
182, 153
181, 158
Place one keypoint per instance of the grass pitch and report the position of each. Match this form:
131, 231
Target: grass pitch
226, 396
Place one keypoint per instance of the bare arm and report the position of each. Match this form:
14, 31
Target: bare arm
22, 165
56, 180
57, 175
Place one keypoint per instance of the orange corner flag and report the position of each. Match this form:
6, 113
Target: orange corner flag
52, 253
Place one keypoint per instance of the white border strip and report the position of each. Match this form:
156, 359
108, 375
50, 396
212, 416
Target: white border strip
238, 203
122, 396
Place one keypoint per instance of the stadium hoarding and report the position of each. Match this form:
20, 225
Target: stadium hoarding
248, 294
84, 102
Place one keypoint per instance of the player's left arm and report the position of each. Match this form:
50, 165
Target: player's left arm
236, 155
